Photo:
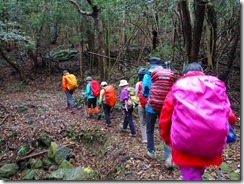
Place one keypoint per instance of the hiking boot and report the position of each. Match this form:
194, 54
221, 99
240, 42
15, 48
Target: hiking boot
121, 127
144, 141
133, 135
89, 116
109, 125
169, 164
99, 116
152, 155
72, 111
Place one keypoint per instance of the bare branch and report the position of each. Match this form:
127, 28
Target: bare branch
79, 9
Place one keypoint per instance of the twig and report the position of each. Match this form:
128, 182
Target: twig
4, 119
33, 155
4, 107
40, 153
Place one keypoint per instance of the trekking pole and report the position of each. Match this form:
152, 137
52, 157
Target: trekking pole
219, 173
168, 64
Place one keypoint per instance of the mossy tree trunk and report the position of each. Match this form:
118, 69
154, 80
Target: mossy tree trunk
15, 65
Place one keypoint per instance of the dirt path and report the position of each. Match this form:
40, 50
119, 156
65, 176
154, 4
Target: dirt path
121, 157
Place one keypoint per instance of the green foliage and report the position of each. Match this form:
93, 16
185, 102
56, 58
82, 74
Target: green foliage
23, 150
165, 52
225, 167
234, 176
80, 101
16, 86
61, 55
10, 32
2, 139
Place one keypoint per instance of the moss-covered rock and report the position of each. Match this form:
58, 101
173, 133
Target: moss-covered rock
35, 163
52, 150
8, 170
66, 165
61, 155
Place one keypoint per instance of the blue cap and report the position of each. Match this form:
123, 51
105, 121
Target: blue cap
65, 71
155, 61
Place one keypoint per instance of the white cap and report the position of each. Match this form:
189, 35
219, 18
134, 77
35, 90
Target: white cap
103, 83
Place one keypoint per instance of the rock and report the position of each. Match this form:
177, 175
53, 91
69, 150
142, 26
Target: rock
58, 174
28, 174
61, 155
80, 173
35, 163
47, 163
44, 139
52, 150
66, 165
8, 170
77, 173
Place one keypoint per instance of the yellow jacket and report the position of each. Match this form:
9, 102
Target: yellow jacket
64, 82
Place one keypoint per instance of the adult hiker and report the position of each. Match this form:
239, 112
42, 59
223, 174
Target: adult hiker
127, 107
142, 104
107, 100
91, 100
194, 121
69, 84
155, 64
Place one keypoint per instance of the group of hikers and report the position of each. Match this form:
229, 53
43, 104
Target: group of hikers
193, 113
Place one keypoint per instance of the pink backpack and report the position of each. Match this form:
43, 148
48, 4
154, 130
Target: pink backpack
200, 117
95, 88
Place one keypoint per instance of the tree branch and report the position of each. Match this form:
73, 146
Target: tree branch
79, 9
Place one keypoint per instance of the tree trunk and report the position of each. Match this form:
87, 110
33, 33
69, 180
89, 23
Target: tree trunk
154, 39
231, 57
197, 30
211, 32
186, 28
101, 60
16, 66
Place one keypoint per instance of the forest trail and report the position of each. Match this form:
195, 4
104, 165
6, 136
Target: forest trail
118, 157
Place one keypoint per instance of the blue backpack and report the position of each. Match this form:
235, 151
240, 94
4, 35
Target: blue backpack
231, 137
146, 84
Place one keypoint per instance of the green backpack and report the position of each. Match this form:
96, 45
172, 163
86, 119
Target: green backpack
133, 100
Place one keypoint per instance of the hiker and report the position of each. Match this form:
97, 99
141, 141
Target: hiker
102, 101
152, 115
142, 104
68, 92
92, 100
127, 107
194, 121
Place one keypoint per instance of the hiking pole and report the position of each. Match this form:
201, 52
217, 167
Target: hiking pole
219, 173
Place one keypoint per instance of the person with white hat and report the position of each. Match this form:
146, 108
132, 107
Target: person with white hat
101, 101
124, 96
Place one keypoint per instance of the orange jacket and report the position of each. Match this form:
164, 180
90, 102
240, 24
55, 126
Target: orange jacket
64, 82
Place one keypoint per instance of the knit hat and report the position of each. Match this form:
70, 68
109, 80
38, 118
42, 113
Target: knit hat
123, 83
155, 61
65, 71
142, 71
88, 78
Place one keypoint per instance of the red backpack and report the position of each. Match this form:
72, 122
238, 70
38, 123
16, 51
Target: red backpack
95, 88
110, 95
162, 81
143, 99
